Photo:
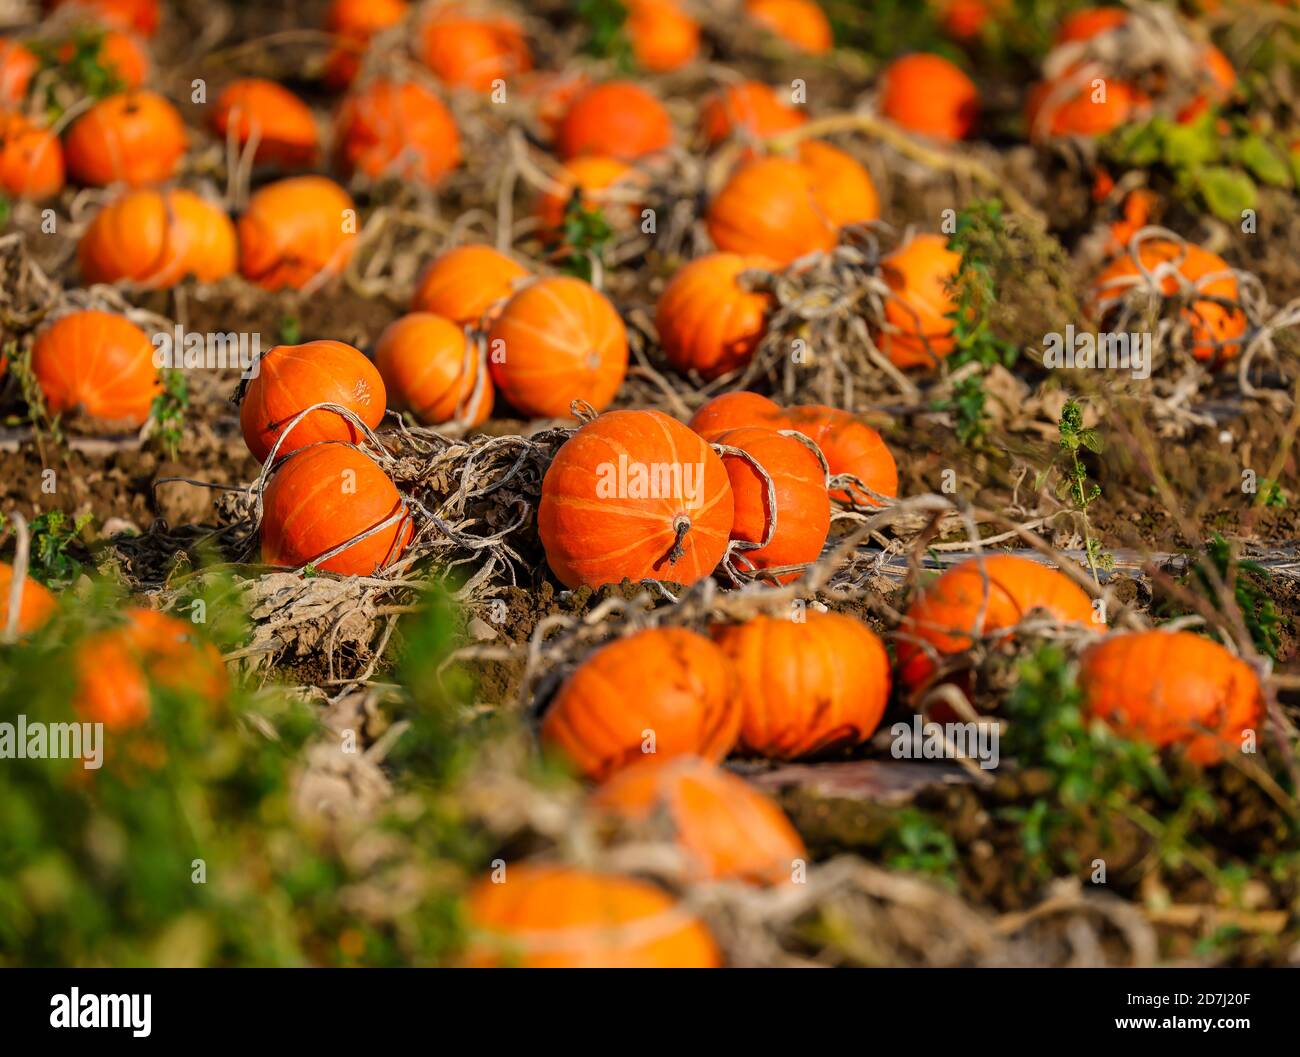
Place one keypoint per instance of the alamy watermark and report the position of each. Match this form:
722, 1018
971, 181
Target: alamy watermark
926, 740
1116, 352
212, 350
629, 479
53, 741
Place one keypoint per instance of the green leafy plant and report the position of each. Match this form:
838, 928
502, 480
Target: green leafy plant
587, 237
290, 330
606, 31
79, 61
1074, 484
169, 409
918, 843
56, 541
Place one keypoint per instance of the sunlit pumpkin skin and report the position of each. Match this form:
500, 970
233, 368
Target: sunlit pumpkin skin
617, 502
353, 23
1088, 23
593, 177
1070, 106
849, 446
750, 110
468, 284
800, 23
139, 15
295, 230
707, 321
683, 703
474, 53
663, 36
1173, 688
842, 187
769, 208
35, 605
556, 917
616, 120
802, 509
806, 687
430, 369
964, 19
931, 96
399, 129
556, 341
31, 159
918, 275
957, 608
323, 496
727, 828
18, 65
292, 378
283, 124
136, 138
1216, 329
98, 364
736, 411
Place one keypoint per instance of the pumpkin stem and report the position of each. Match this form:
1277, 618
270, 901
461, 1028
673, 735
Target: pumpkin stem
681, 526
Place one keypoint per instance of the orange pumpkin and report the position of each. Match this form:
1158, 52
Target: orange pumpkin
120, 54
929, 95
353, 23
850, 446
550, 93
139, 15
1173, 688
592, 177
635, 495
323, 496
99, 364
136, 138
769, 208
617, 120
802, 508
726, 827
919, 275
843, 189
683, 705
1088, 23
556, 341
473, 52
1073, 105
430, 369
295, 230
31, 159
35, 604
554, 917
281, 122
707, 321
663, 36
292, 378
401, 129
800, 23
18, 65
964, 19
979, 598
806, 687
750, 110
734, 411
467, 284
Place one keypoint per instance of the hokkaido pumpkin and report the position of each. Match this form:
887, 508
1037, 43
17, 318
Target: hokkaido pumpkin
617, 120
800, 23
323, 496
400, 129
430, 369
979, 598
473, 53
292, 378
136, 138
353, 23
802, 510
18, 65
281, 122
663, 36
726, 827
750, 110
636, 495
808, 686
707, 321
139, 15
35, 604
850, 446
468, 284
1173, 688
557, 341
664, 692
555, 917
295, 230
769, 208
918, 310
31, 159
931, 96
97, 364
734, 411
599, 182
842, 188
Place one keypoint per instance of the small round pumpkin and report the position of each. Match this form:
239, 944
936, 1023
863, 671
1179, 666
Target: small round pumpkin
555, 917
850, 446
397, 128
35, 604
1069, 105
292, 378
617, 119
1089, 22
635, 495
726, 827
707, 321
136, 138
918, 275
138, 15
282, 123
295, 230
325, 495
683, 703
931, 96
769, 208
663, 36
18, 65
556, 341
750, 110
99, 364
31, 159
735, 411
802, 507
354, 23
468, 284
962, 605
430, 369
592, 177
473, 52
806, 687
800, 23
1173, 688
844, 190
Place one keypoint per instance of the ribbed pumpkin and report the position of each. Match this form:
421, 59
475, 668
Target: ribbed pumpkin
1173, 688
399, 129
555, 917
556, 341
726, 827
138, 15
292, 378
468, 284
323, 496
634, 494
663, 36
843, 189
769, 208
734, 411
98, 364
18, 65
35, 605
136, 138
918, 275
295, 230
850, 447
353, 23
1071, 105
802, 509
961, 605
285, 129
750, 110
806, 687
800, 23
430, 369
469, 52
617, 120
931, 96
593, 177
31, 159
663, 691
707, 321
